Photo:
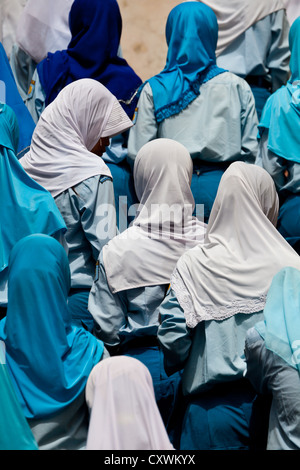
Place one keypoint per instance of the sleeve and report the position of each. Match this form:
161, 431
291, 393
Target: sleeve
249, 123
98, 212
106, 308
145, 126
257, 362
271, 162
173, 334
279, 53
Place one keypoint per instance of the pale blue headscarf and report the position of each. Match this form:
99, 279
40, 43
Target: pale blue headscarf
281, 326
48, 359
26, 207
281, 114
192, 35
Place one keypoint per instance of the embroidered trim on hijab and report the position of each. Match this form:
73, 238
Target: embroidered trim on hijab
232, 270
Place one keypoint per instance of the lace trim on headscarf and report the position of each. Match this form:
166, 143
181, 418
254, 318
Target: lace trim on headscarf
189, 95
246, 306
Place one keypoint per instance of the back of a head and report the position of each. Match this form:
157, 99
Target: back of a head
162, 165
194, 23
244, 185
124, 414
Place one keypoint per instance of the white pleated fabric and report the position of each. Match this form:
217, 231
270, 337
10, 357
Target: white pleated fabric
123, 410
232, 271
10, 12
236, 16
60, 153
164, 228
44, 27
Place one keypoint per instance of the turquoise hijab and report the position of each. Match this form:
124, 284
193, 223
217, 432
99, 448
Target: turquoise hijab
48, 359
15, 433
281, 326
281, 114
26, 207
192, 35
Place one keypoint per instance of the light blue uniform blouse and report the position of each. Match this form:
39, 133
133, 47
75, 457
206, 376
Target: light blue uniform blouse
276, 167
262, 50
211, 353
89, 212
270, 375
125, 315
220, 125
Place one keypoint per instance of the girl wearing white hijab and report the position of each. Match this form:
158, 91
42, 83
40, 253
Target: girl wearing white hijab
253, 43
123, 411
218, 291
135, 268
44, 27
65, 158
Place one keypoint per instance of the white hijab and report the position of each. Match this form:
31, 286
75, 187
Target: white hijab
232, 271
236, 16
10, 12
44, 27
293, 10
123, 411
60, 153
164, 228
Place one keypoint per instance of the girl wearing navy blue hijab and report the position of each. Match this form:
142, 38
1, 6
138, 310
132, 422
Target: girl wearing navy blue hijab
96, 27
48, 359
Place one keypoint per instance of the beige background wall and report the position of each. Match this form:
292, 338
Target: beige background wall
143, 36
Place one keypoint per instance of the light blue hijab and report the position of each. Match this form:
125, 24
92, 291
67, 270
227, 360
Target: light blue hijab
49, 360
192, 35
281, 114
26, 207
281, 326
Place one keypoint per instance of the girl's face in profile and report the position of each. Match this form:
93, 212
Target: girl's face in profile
100, 146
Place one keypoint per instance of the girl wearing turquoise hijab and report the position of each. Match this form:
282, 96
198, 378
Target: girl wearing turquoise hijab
279, 148
48, 359
206, 108
15, 433
273, 360
26, 207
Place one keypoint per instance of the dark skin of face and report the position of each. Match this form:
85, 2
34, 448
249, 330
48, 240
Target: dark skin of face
100, 146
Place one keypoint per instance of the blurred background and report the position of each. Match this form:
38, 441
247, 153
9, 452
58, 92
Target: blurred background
143, 38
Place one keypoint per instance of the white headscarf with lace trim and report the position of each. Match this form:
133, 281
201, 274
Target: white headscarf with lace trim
232, 271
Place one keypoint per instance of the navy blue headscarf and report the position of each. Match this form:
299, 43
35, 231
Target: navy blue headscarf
96, 27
